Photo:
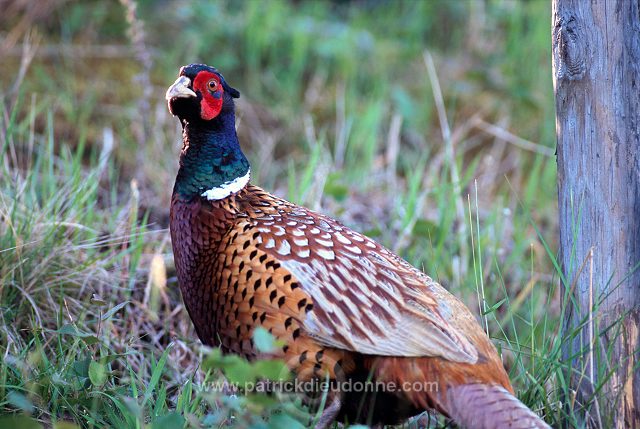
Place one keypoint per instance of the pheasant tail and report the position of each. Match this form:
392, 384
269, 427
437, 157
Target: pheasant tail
482, 406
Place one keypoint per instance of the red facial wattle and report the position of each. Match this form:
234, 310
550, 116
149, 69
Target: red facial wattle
212, 92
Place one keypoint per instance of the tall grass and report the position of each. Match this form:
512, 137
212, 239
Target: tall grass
337, 112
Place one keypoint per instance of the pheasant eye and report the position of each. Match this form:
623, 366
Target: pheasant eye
212, 84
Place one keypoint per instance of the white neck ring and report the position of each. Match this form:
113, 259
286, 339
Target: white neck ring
227, 188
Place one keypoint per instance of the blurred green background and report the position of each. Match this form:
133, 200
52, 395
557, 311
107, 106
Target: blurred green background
339, 112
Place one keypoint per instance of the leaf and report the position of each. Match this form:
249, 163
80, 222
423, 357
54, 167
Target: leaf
97, 300
106, 359
272, 369
373, 232
264, 400
234, 402
263, 340
22, 422
425, 228
81, 367
155, 375
87, 337
494, 307
114, 310
90, 339
97, 373
278, 421
240, 373
68, 330
169, 421
132, 405
58, 380
334, 188
19, 400
213, 360
214, 419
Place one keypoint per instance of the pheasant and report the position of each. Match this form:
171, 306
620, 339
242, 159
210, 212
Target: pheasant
344, 306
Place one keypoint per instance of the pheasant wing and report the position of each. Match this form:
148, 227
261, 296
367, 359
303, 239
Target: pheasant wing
365, 298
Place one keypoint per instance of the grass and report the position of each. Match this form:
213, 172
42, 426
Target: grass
338, 112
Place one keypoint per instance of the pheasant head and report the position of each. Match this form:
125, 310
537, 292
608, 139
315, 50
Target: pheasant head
200, 93
211, 162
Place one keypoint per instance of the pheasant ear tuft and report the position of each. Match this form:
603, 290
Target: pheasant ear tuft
231, 91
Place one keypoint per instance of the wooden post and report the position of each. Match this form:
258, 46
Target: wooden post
596, 76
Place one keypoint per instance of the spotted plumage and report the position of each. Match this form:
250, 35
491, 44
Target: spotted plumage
342, 305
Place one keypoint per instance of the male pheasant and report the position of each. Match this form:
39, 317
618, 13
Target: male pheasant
344, 306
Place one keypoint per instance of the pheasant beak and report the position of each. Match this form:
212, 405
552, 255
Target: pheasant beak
180, 89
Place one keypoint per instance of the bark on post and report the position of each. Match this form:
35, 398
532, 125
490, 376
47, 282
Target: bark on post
596, 74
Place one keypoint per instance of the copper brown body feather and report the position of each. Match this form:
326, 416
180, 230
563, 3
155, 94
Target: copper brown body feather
333, 296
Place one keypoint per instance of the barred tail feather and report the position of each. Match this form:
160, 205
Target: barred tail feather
482, 406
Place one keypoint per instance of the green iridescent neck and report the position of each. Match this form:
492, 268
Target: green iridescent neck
211, 157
